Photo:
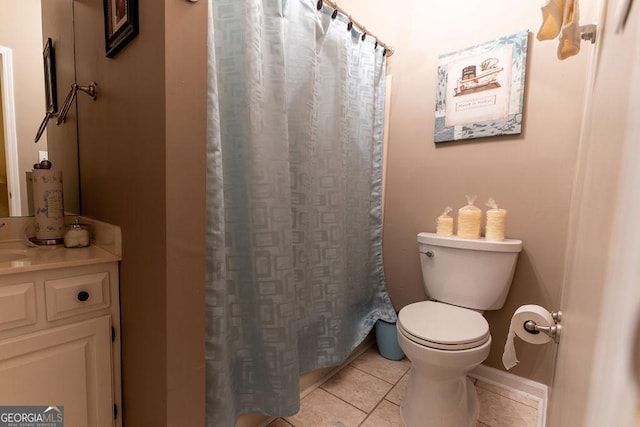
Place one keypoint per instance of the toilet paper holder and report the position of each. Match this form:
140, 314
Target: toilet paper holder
552, 331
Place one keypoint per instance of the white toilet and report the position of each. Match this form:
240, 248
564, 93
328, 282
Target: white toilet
447, 336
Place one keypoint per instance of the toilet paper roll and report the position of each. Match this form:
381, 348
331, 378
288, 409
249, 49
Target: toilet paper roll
48, 204
524, 313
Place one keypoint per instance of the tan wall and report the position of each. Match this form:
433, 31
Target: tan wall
142, 146
21, 30
531, 175
186, 110
123, 176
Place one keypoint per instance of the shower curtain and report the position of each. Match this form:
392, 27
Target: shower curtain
294, 254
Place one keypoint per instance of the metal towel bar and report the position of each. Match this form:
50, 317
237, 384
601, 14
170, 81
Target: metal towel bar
62, 115
89, 90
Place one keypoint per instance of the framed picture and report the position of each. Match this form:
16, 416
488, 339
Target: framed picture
480, 90
120, 24
49, 59
50, 88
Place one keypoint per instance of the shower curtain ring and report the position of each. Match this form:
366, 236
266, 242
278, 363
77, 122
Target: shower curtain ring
319, 5
334, 15
350, 24
364, 33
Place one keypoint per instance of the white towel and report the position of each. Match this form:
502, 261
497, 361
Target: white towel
570, 34
561, 17
552, 14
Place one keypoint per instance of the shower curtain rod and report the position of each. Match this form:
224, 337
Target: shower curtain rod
388, 49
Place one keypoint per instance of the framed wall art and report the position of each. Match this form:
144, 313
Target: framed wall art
480, 90
50, 86
120, 24
49, 60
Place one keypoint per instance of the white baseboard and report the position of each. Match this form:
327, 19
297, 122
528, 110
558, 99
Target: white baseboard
515, 383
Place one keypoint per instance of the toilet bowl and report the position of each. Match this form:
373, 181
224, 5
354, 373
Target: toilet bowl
443, 347
446, 337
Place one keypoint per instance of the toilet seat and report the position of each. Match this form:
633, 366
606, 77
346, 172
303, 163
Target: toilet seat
443, 326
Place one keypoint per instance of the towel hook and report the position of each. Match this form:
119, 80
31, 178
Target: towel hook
588, 32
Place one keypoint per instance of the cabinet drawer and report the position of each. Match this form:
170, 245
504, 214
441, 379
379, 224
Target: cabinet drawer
17, 305
75, 295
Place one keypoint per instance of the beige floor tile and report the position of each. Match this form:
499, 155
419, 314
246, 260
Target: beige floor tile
518, 396
279, 422
397, 392
499, 411
358, 388
373, 363
322, 409
386, 414
481, 424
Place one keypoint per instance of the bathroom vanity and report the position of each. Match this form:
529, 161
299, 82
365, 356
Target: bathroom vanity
60, 328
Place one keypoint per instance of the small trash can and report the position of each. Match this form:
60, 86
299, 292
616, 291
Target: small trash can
387, 340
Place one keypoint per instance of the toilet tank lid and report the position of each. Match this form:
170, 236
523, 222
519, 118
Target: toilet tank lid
506, 245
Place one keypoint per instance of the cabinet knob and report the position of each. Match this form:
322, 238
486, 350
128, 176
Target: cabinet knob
83, 296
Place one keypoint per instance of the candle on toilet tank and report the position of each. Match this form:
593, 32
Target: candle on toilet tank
494, 229
444, 223
469, 218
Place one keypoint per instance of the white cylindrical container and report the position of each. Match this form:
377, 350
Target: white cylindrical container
48, 204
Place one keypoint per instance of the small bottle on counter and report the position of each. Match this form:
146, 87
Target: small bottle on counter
77, 235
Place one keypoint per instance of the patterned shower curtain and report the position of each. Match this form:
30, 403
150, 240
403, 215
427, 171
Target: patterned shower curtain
294, 250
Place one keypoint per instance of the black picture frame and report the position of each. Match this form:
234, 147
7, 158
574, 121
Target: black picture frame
50, 88
120, 24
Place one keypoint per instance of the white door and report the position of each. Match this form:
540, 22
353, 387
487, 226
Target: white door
594, 383
67, 366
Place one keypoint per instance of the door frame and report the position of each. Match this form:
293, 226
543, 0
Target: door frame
10, 131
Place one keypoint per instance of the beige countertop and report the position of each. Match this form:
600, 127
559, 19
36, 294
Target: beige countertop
17, 257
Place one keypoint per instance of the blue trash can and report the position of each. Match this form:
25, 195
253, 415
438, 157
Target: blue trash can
387, 340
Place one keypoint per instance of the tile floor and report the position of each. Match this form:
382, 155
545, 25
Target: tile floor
368, 392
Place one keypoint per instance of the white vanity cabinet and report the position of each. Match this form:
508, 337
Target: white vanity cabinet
60, 340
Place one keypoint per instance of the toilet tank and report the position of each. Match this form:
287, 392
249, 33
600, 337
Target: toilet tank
472, 273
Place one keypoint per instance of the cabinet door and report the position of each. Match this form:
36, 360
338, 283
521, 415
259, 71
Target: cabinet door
68, 366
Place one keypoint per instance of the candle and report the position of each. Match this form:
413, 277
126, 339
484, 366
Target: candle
469, 218
444, 223
495, 222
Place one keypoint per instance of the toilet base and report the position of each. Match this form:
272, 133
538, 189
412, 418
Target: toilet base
439, 393
452, 405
